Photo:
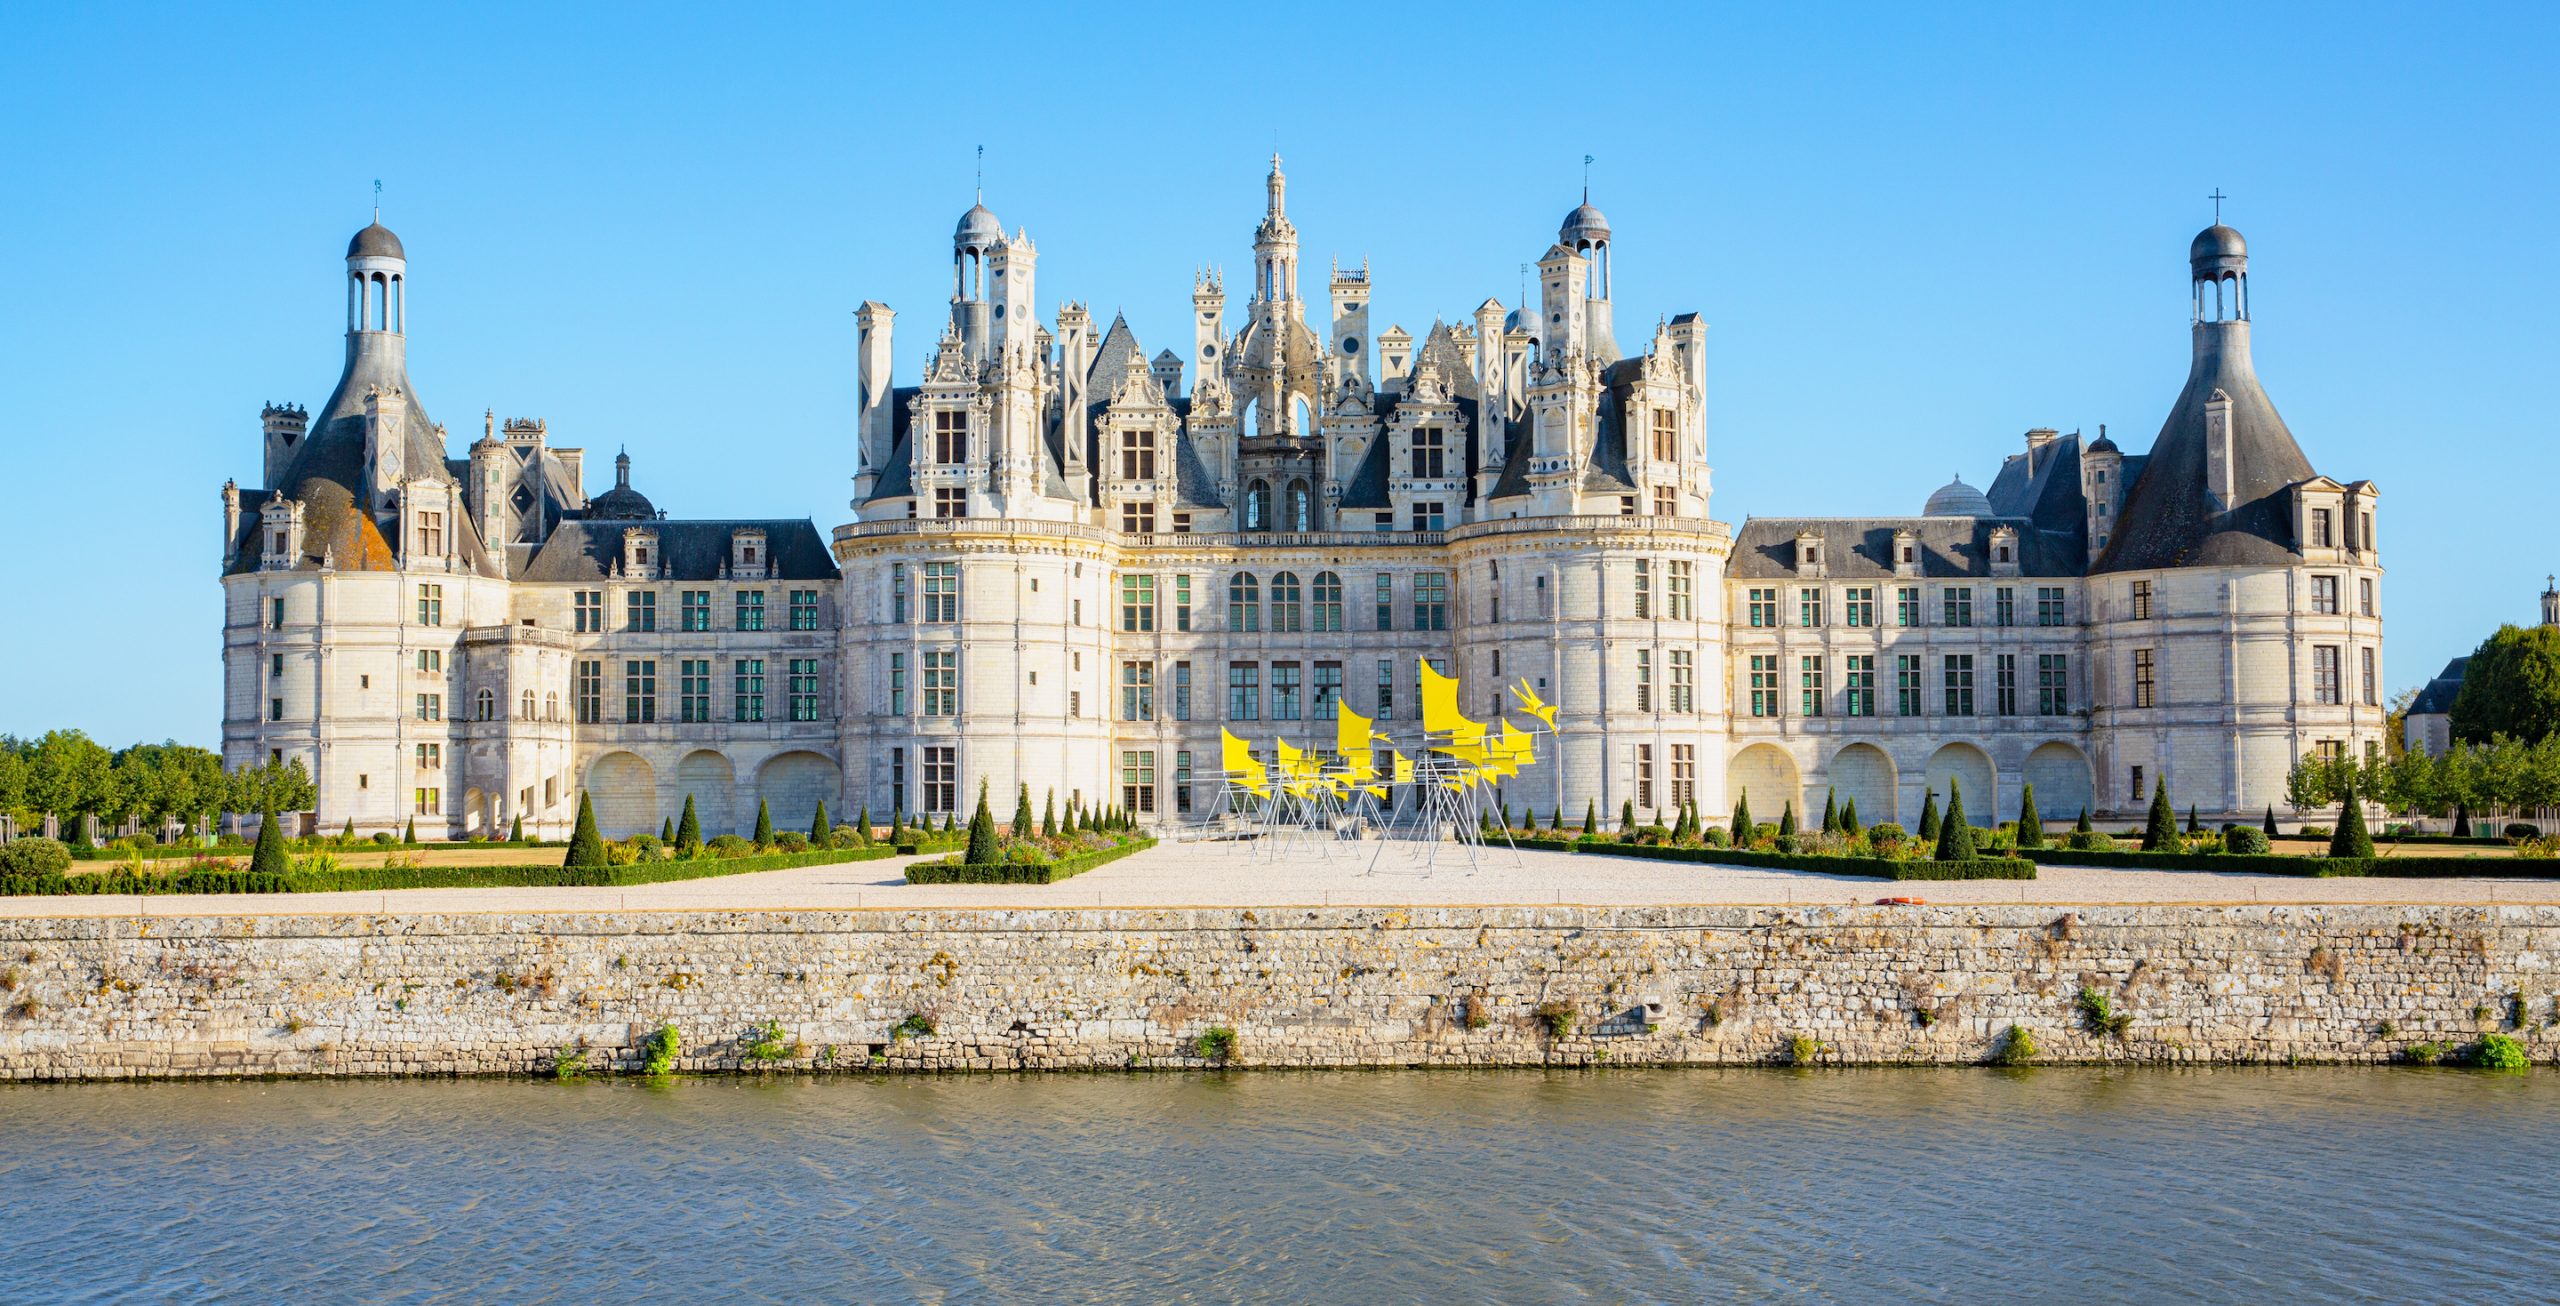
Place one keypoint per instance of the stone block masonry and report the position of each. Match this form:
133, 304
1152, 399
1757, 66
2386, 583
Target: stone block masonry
1300, 987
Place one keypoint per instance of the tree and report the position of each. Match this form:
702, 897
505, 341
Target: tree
409, 835
2160, 833
515, 831
862, 828
1591, 816
1022, 823
1831, 810
2270, 826
2193, 826
1929, 824
764, 823
268, 857
2511, 687
2351, 838
982, 833
667, 831
688, 840
2030, 824
1955, 834
2083, 827
1849, 818
2461, 820
1049, 813
1787, 821
821, 834
1742, 827
586, 847
1556, 824
1627, 816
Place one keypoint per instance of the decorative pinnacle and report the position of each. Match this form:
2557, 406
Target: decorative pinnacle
2217, 197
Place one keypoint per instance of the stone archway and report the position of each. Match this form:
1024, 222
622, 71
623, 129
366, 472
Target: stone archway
1866, 773
712, 782
792, 785
1766, 775
2060, 772
625, 790
1970, 767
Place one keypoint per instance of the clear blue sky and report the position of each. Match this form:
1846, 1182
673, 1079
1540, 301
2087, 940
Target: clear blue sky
1915, 237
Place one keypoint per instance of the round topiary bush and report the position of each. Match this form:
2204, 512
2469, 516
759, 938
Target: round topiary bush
791, 841
2246, 841
34, 855
730, 845
2523, 830
2090, 841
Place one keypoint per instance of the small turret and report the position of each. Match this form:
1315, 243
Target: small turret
284, 426
2550, 601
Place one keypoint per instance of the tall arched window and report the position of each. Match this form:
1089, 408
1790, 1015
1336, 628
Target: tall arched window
1257, 506
551, 705
1244, 602
485, 704
1328, 601
1301, 507
524, 706
1285, 612
1301, 419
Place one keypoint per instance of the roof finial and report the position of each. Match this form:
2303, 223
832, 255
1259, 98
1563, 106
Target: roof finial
377, 201
1586, 179
981, 188
2217, 197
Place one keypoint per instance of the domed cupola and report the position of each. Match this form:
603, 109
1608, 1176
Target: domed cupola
979, 230
621, 503
376, 241
1583, 227
1957, 499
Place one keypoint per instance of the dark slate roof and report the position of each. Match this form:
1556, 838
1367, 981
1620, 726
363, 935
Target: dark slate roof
897, 480
2167, 520
1861, 548
1515, 459
375, 241
2437, 698
1607, 472
1368, 485
1192, 485
2050, 498
692, 550
1111, 358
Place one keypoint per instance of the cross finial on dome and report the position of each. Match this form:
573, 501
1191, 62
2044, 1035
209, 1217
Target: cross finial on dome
377, 200
2217, 197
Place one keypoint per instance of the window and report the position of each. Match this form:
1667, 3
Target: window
431, 605
942, 682
1644, 589
1681, 590
1493, 593
484, 705
2364, 596
751, 609
1430, 601
1644, 775
1906, 684
2137, 782
1429, 454
275, 662
2004, 606
431, 707
942, 779
2004, 684
1683, 681
693, 690
1138, 453
1244, 602
590, 691
431, 534
1182, 780
275, 709
430, 662
1957, 602
897, 684
1328, 690
1301, 504
1182, 526
1327, 598
747, 703
1666, 435
804, 689
1906, 606
1428, 517
430, 802
951, 437
897, 593
1244, 691
2141, 598
2372, 688
1764, 684
1286, 615
1284, 691
1257, 506
1138, 780
1386, 601
1666, 501
430, 757
2324, 595
1138, 603
1959, 668
1386, 688
2145, 688
275, 614
1138, 518
2324, 674
2048, 605
1182, 603
941, 593
1181, 691
1684, 774
2053, 684
695, 610
950, 502
1137, 691
1809, 607
1858, 683
1644, 680
1859, 606
2320, 528
1809, 680
804, 609
898, 780
1763, 608
640, 610
640, 689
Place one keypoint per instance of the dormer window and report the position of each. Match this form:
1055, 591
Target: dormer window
750, 555
2320, 528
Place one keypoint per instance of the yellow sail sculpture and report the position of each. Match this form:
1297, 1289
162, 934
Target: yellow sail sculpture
1243, 770
1534, 705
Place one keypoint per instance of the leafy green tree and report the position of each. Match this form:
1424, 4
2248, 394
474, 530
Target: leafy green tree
268, 857
1929, 817
2351, 838
2160, 832
764, 823
2030, 824
821, 833
982, 833
1955, 834
586, 847
688, 840
2511, 687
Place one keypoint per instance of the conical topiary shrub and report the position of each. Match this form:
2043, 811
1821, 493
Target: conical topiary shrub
410, 834
1627, 816
268, 857
1831, 810
1556, 826
2351, 839
951, 823
2193, 826
1742, 830
1955, 834
1787, 822
1929, 817
1049, 813
348, 834
2271, 821
764, 824
667, 832
515, 832
2030, 823
1591, 816
2160, 832
1849, 818
586, 847
982, 833
2083, 826
2461, 820
1022, 823
862, 828
688, 841
821, 834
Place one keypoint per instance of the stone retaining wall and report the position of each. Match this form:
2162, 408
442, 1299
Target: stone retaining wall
1084, 989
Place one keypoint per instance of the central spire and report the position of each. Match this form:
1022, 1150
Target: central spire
1278, 185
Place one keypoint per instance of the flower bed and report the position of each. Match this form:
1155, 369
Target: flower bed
1870, 867
223, 877
952, 870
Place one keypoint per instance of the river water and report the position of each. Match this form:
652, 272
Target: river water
1518, 1186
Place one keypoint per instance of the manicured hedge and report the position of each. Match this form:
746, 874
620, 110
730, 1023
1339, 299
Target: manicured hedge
105, 852
2414, 868
359, 879
1874, 868
955, 871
